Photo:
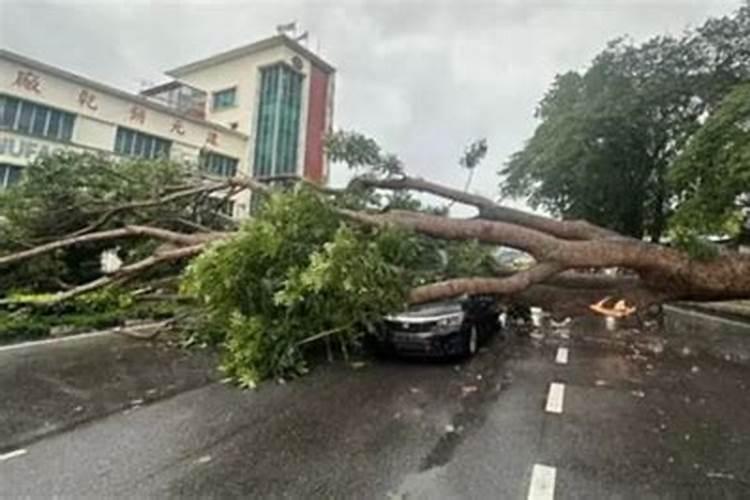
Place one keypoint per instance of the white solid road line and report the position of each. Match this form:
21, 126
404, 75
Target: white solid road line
12, 454
37, 343
555, 398
542, 485
562, 356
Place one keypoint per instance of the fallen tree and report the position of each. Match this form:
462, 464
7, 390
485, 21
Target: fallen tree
561, 279
659, 273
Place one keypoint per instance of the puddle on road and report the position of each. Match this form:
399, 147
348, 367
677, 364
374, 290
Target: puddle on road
486, 378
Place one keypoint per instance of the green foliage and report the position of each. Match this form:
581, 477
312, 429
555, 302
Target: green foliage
608, 136
359, 151
297, 275
64, 193
474, 154
712, 175
693, 244
103, 308
469, 258
22, 325
292, 273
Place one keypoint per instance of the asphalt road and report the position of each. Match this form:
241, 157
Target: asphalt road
630, 426
49, 387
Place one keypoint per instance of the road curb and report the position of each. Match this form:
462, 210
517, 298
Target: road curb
30, 344
714, 334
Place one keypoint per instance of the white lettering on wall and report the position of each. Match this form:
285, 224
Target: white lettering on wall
26, 148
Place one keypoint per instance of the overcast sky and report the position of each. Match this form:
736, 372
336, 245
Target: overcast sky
424, 78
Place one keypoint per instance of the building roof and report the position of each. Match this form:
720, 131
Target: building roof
107, 89
252, 48
156, 89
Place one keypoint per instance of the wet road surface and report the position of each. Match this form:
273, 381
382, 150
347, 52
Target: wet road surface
629, 426
49, 387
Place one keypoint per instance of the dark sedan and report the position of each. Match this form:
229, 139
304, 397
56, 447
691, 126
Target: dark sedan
441, 329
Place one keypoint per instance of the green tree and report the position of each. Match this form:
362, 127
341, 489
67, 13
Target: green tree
68, 194
712, 175
608, 135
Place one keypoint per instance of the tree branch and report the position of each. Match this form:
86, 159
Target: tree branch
488, 209
187, 193
659, 267
124, 272
491, 286
124, 232
530, 241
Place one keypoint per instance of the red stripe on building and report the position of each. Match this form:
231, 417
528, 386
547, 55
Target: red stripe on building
316, 126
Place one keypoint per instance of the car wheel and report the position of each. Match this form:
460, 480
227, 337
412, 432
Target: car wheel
472, 343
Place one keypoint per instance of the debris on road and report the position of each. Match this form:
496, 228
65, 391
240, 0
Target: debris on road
468, 389
719, 475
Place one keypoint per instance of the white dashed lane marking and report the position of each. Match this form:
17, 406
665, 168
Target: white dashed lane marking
12, 454
562, 356
542, 485
555, 398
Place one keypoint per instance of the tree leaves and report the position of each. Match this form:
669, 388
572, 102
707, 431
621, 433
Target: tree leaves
712, 175
608, 135
291, 273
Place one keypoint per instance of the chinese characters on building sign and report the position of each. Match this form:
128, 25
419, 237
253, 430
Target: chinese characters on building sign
137, 114
178, 127
28, 80
88, 99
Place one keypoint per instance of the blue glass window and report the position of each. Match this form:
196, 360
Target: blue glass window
277, 133
217, 164
225, 98
133, 143
30, 118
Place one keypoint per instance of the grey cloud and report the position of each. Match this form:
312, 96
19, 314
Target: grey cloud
424, 77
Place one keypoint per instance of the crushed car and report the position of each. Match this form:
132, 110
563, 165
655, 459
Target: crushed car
452, 328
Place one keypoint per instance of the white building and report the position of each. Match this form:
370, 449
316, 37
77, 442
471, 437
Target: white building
262, 109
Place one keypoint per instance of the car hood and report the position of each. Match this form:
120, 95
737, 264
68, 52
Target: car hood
427, 312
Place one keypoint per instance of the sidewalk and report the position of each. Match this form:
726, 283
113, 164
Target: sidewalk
51, 386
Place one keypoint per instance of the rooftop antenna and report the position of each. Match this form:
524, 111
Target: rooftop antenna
288, 29
303, 38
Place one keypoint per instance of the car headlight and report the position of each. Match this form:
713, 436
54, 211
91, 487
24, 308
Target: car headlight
451, 321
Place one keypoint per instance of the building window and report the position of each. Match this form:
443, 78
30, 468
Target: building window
130, 142
9, 175
30, 118
216, 164
277, 133
225, 98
